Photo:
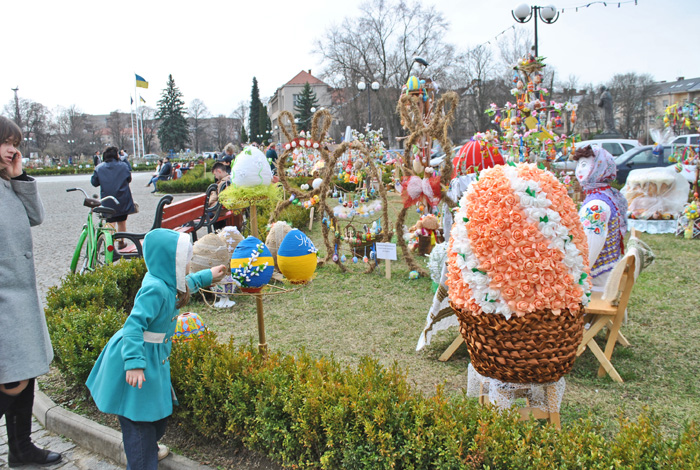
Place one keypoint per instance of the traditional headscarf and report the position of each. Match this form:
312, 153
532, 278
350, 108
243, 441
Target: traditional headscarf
603, 172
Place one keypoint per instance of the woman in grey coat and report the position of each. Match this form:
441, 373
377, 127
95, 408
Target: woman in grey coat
25, 347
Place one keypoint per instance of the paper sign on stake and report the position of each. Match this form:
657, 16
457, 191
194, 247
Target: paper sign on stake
386, 251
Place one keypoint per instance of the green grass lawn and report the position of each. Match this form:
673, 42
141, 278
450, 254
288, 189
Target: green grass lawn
350, 315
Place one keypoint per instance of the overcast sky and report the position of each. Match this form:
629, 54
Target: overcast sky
85, 53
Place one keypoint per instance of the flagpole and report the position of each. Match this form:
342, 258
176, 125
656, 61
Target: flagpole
143, 142
138, 145
131, 113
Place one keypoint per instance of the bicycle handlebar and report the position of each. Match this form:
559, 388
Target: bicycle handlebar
88, 197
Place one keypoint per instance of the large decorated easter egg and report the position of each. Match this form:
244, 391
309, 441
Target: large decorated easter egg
252, 265
518, 275
278, 231
232, 237
251, 168
207, 252
189, 326
296, 257
475, 155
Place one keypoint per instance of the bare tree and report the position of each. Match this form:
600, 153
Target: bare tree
379, 45
71, 134
631, 92
514, 47
240, 114
35, 119
225, 131
117, 125
199, 128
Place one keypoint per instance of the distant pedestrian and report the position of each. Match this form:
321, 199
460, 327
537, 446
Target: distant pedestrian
164, 173
227, 155
25, 345
113, 178
124, 157
271, 156
96, 158
138, 352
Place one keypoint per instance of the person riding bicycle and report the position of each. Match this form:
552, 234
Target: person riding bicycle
113, 178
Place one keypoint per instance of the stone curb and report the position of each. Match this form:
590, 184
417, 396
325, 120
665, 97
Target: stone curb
95, 437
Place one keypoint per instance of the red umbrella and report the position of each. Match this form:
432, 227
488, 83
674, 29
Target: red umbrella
475, 154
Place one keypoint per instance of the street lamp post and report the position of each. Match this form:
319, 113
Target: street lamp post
362, 86
524, 12
27, 144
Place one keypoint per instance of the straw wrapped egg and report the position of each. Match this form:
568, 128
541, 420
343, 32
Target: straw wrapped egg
252, 264
251, 168
207, 252
296, 257
278, 231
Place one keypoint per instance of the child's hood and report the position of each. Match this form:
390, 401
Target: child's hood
167, 253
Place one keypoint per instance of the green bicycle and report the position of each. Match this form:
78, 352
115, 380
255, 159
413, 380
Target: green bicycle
97, 239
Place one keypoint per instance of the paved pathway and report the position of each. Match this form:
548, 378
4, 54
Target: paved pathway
54, 242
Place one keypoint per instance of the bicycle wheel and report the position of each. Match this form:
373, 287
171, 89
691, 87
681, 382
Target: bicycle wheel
78, 260
104, 251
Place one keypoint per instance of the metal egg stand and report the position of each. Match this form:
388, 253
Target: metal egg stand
262, 340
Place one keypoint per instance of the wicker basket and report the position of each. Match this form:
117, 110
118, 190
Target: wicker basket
539, 347
359, 248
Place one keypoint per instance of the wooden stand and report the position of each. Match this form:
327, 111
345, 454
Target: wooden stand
262, 341
527, 411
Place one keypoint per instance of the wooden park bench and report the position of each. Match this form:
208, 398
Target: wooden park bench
184, 216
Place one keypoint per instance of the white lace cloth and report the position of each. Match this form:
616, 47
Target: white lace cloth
504, 394
652, 226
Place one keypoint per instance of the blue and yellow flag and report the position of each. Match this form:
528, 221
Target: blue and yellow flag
141, 82
141, 98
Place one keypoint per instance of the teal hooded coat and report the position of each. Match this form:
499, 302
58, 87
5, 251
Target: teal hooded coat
166, 253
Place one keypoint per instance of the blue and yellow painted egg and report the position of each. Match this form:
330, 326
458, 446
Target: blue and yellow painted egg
189, 326
252, 264
413, 84
296, 257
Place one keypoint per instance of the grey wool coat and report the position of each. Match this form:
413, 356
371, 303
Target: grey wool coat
25, 347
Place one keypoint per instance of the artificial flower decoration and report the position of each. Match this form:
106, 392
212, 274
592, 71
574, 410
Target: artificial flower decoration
517, 246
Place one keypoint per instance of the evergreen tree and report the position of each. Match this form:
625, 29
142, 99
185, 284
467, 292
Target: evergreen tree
254, 128
173, 132
265, 124
307, 100
244, 135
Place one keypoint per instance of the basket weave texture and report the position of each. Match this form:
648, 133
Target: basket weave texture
539, 347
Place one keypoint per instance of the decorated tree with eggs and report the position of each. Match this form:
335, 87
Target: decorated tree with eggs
335, 220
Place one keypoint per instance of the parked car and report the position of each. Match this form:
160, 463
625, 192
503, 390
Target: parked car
151, 156
644, 157
437, 159
209, 155
616, 147
689, 139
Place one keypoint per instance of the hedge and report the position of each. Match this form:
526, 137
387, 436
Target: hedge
193, 181
307, 412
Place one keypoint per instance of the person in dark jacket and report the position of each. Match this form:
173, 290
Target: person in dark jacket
25, 346
271, 156
165, 172
113, 178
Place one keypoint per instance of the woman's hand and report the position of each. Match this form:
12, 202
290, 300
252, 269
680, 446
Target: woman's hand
134, 377
218, 273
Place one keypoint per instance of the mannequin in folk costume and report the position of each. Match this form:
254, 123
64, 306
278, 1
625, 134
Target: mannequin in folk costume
603, 212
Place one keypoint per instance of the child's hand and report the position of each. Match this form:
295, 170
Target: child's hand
134, 377
218, 272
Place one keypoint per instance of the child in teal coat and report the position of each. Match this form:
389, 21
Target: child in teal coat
131, 378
